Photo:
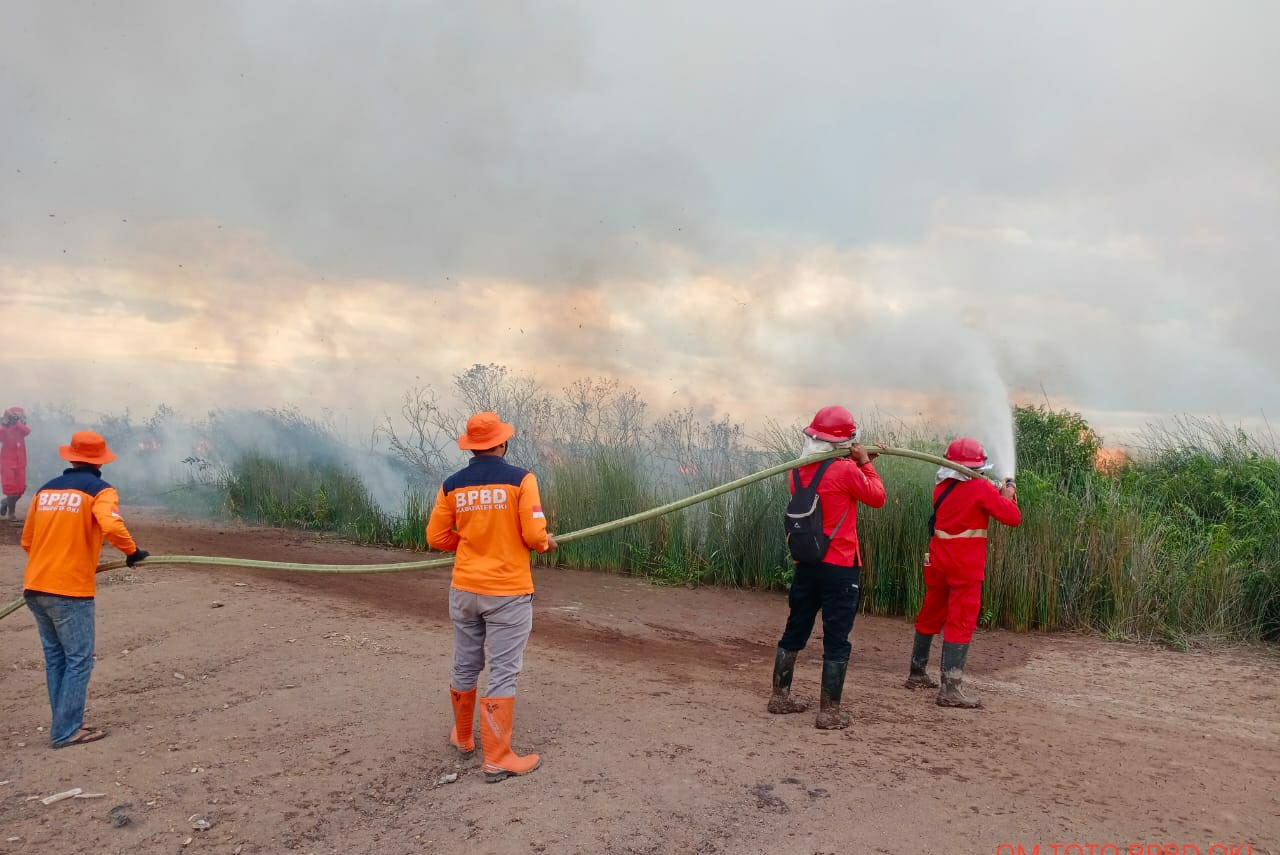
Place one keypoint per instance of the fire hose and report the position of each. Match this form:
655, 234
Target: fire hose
602, 528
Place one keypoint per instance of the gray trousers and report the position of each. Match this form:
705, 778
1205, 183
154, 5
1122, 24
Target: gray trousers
505, 623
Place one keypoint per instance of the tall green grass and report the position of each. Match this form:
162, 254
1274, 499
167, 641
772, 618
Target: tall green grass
293, 492
305, 495
1183, 543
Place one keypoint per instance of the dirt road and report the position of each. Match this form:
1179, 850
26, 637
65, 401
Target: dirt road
309, 714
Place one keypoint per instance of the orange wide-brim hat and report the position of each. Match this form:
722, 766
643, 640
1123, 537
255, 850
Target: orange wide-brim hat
485, 431
86, 447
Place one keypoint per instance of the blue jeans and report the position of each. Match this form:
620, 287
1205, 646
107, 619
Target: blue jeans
66, 632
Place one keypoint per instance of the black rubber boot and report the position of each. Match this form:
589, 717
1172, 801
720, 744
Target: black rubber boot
952, 693
830, 716
919, 677
784, 668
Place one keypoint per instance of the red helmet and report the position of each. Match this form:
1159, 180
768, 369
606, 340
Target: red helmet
967, 452
15, 411
832, 424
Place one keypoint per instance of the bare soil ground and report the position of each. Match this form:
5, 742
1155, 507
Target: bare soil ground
309, 714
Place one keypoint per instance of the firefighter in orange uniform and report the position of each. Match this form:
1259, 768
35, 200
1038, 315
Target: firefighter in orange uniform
954, 569
69, 518
490, 514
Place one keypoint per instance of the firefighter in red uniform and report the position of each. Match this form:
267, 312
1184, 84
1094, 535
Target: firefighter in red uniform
13, 460
954, 569
831, 584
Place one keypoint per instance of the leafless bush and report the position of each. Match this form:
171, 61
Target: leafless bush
427, 437
597, 412
517, 398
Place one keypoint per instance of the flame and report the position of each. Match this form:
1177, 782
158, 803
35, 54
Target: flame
149, 445
1111, 461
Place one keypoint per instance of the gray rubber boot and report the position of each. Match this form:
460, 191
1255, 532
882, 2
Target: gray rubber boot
919, 677
784, 668
830, 716
952, 693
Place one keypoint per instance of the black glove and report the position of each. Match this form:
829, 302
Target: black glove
138, 555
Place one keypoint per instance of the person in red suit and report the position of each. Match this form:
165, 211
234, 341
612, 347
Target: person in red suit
955, 566
829, 580
13, 460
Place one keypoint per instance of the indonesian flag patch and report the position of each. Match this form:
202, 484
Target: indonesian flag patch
537, 513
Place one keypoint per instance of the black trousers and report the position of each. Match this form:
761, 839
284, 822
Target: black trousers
833, 590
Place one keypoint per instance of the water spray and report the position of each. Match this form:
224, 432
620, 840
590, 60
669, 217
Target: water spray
602, 528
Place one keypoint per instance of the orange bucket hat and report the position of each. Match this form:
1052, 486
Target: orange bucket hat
86, 447
485, 431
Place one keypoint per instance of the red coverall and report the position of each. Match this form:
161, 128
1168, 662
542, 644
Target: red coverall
13, 458
957, 559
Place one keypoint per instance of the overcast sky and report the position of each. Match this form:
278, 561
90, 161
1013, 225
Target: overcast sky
752, 208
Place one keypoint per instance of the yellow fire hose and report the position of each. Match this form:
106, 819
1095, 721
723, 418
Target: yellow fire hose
623, 522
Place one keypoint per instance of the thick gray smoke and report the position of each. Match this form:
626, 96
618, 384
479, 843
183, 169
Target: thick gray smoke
390, 139
748, 208
170, 458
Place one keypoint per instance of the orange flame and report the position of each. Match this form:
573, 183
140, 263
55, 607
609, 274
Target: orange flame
1111, 461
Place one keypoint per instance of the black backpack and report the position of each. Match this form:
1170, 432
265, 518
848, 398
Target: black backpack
806, 540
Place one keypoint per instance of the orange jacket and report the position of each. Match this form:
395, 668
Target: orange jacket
63, 535
491, 515
958, 546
